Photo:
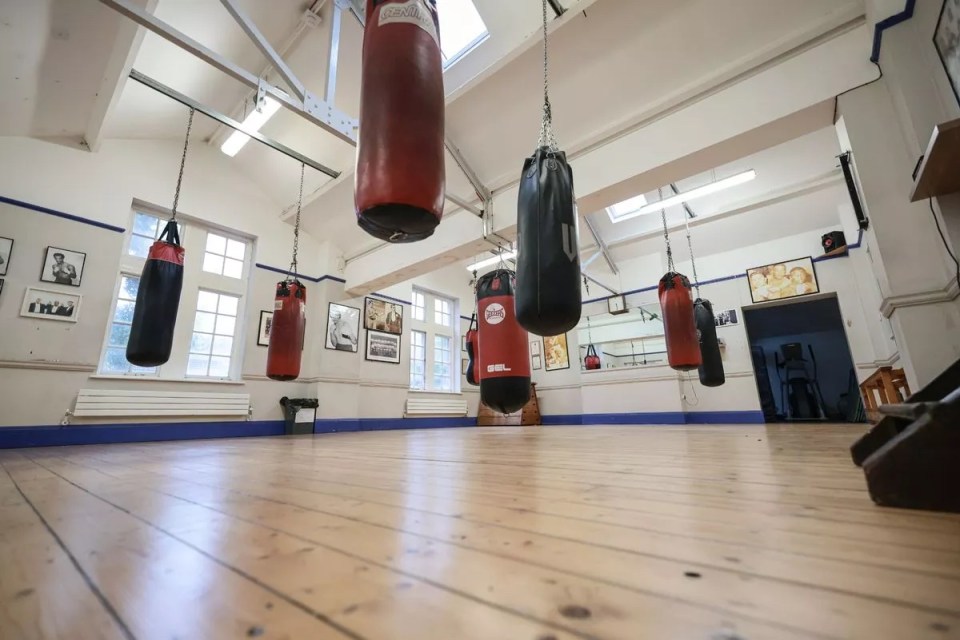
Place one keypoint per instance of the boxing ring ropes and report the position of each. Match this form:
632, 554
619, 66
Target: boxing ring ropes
316, 110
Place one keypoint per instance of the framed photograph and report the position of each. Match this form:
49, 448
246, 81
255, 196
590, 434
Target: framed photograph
6, 250
555, 352
51, 305
536, 363
535, 348
464, 363
788, 279
383, 347
463, 343
726, 318
63, 266
946, 38
343, 328
263, 334
382, 316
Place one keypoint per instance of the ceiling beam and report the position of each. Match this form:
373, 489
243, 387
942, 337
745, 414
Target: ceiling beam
600, 243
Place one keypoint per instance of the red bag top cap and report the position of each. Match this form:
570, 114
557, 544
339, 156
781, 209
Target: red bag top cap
166, 252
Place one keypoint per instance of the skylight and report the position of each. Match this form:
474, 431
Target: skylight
461, 29
638, 206
626, 207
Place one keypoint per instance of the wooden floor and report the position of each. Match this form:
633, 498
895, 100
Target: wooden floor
719, 533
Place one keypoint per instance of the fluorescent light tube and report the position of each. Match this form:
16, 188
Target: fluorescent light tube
256, 119
510, 255
693, 194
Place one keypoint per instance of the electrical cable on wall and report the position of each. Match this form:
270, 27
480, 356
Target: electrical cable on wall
943, 238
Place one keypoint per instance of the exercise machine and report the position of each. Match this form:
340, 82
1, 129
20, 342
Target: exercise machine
800, 395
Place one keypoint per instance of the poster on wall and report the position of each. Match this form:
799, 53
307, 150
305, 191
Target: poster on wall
383, 347
726, 318
63, 266
946, 38
383, 316
263, 335
788, 279
555, 352
51, 305
343, 328
6, 249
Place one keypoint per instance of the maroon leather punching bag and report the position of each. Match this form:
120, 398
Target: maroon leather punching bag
502, 344
592, 361
471, 373
400, 154
676, 305
287, 331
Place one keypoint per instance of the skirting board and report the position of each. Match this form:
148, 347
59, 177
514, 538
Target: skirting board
666, 417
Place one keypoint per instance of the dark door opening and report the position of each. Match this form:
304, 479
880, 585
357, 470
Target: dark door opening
802, 362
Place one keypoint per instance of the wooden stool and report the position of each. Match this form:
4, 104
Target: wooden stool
886, 384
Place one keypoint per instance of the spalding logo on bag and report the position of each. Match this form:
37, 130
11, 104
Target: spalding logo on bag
412, 12
495, 314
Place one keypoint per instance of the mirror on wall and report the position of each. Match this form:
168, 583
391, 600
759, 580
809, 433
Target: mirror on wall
631, 339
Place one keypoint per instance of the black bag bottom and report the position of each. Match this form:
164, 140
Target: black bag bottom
505, 395
398, 222
147, 359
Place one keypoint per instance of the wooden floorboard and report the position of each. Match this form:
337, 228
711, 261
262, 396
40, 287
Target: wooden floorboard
580, 532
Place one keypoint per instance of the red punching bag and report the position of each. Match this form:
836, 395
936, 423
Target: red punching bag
400, 153
679, 326
287, 331
471, 338
502, 355
592, 361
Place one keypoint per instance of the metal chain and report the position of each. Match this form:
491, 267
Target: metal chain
666, 234
693, 261
547, 138
183, 163
296, 225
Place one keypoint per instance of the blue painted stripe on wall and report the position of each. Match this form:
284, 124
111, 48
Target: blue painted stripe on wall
61, 214
58, 436
883, 25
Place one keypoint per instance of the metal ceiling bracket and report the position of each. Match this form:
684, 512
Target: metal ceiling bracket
557, 7
309, 107
230, 122
330, 90
603, 246
358, 10
686, 207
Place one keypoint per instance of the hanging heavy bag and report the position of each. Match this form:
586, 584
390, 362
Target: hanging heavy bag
592, 361
399, 186
711, 369
676, 304
287, 331
158, 298
502, 345
471, 372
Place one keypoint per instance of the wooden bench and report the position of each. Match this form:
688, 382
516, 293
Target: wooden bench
886, 385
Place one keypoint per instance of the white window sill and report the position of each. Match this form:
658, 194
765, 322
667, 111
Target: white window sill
156, 379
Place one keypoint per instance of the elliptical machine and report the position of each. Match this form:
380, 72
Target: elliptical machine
800, 395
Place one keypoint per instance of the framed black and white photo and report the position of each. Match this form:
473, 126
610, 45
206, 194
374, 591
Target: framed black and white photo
63, 266
383, 347
343, 328
946, 38
51, 305
726, 318
6, 250
535, 348
263, 334
383, 316
536, 362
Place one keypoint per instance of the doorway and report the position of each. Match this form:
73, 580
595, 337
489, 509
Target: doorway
802, 362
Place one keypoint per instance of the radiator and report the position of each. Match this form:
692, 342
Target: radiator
98, 403
453, 406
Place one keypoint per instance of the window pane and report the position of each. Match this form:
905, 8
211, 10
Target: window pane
197, 365
236, 249
222, 346
124, 312
219, 367
233, 268
115, 361
228, 305
145, 225
119, 334
204, 322
143, 370
212, 263
207, 301
216, 244
128, 288
139, 246
225, 325
201, 343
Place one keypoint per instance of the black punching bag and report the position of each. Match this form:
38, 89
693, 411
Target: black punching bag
502, 359
158, 297
711, 370
548, 259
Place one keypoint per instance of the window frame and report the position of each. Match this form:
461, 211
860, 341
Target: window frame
432, 329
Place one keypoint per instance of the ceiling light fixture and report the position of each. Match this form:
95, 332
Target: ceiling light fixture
509, 255
254, 121
680, 198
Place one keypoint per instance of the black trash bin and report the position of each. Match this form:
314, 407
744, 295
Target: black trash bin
300, 414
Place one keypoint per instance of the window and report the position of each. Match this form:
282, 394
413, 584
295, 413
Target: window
207, 341
434, 363
461, 29
213, 329
418, 360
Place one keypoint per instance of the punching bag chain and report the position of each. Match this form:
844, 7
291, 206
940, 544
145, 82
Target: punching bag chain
693, 261
183, 163
296, 225
666, 234
547, 138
